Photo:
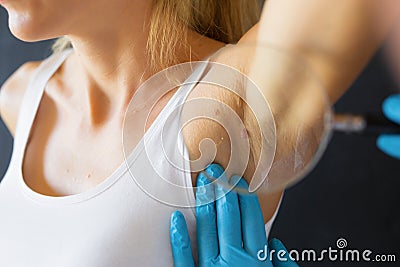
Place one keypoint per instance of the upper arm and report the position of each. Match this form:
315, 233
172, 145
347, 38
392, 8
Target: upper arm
335, 40
12, 92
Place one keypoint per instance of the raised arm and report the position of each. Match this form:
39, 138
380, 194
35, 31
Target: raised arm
336, 38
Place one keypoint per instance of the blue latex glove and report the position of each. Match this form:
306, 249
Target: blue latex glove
390, 144
240, 236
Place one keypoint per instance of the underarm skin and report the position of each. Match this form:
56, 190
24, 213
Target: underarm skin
218, 137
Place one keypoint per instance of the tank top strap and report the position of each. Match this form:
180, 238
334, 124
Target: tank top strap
180, 96
201, 69
33, 95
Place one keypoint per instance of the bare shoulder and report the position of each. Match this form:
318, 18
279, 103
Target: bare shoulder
12, 92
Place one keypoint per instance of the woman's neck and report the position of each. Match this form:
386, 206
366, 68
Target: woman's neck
111, 61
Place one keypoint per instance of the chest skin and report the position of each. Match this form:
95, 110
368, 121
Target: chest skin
68, 154
65, 153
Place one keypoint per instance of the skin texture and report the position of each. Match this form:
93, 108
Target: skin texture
95, 99
108, 65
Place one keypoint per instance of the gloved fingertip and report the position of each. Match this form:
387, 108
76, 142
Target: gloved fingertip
242, 184
391, 108
222, 187
178, 230
177, 219
180, 241
202, 180
389, 144
243, 187
204, 190
236, 180
215, 170
276, 244
395, 99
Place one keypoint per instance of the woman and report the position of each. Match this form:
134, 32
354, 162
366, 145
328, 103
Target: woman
74, 210
67, 200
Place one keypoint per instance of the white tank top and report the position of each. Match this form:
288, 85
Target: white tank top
116, 223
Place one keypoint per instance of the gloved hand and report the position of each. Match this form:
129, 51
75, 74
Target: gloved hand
240, 239
390, 144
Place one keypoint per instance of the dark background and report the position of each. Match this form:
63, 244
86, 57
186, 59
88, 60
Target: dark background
353, 193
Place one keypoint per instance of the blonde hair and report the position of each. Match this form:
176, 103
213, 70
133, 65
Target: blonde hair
223, 20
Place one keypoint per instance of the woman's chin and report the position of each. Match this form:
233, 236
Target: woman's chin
23, 36
24, 30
